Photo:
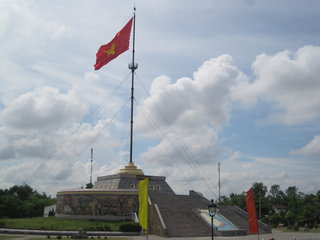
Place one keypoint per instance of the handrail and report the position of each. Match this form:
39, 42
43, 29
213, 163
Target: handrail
160, 216
134, 217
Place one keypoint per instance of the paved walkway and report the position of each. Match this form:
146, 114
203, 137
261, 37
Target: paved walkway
277, 235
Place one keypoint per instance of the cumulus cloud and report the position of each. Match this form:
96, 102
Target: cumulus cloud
238, 174
184, 178
38, 123
28, 38
52, 161
289, 82
189, 113
197, 147
206, 97
44, 132
44, 108
49, 95
27, 22
182, 118
311, 149
51, 178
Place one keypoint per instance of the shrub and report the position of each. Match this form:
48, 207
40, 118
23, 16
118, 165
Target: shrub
295, 227
130, 227
2, 224
99, 228
107, 228
103, 228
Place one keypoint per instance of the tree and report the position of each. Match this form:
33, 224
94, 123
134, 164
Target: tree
259, 190
22, 201
224, 200
297, 208
24, 192
238, 200
89, 185
11, 206
274, 190
309, 212
276, 194
292, 199
261, 202
292, 191
275, 220
290, 218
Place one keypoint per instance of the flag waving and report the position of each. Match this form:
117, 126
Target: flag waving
143, 203
118, 45
252, 215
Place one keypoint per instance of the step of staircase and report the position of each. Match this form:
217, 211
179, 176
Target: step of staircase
178, 213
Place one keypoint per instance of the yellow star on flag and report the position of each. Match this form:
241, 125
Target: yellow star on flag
111, 50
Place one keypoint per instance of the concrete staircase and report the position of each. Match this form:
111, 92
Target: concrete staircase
240, 218
235, 215
179, 214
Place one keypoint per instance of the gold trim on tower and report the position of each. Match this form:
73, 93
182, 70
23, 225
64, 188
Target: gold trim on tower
131, 169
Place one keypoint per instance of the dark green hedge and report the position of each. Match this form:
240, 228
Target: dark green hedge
130, 227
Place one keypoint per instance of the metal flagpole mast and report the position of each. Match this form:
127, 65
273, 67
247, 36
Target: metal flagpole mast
133, 66
219, 182
91, 166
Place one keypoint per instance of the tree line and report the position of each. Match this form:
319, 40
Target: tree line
22, 201
290, 208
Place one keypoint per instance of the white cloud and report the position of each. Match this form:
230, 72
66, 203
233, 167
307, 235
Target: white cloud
21, 18
185, 116
50, 178
51, 161
238, 175
188, 114
45, 121
311, 149
28, 38
44, 108
49, 93
196, 147
290, 82
204, 98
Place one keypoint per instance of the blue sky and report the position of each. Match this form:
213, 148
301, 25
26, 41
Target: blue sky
235, 82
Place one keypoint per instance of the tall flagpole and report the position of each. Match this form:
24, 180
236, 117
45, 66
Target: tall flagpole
133, 66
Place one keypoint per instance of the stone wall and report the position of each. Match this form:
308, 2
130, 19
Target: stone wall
96, 204
155, 225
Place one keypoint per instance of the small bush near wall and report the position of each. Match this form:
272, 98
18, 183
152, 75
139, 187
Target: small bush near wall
130, 227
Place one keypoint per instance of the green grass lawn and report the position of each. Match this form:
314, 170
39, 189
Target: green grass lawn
7, 237
102, 238
61, 224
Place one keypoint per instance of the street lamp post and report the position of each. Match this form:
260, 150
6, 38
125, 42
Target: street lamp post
212, 208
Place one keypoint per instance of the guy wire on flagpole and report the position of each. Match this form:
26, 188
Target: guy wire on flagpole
133, 66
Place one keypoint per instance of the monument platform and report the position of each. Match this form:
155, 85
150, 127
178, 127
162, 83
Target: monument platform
115, 197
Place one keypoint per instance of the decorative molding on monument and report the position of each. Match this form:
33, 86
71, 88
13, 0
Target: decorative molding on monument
98, 191
130, 168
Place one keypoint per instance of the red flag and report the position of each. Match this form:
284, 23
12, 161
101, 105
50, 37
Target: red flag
252, 215
118, 45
